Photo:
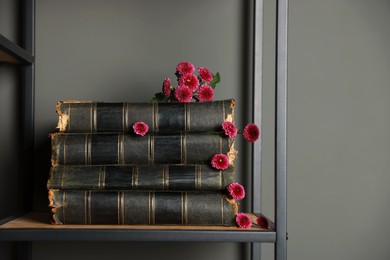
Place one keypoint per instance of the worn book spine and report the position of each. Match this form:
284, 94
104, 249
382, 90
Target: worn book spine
142, 207
99, 149
139, 177
87, 116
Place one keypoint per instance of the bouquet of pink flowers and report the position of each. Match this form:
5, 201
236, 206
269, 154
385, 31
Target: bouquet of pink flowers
200, 88
189, 85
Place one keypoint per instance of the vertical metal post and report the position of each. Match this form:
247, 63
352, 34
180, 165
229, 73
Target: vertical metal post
28, 109
257, 112
281, 132
28, 7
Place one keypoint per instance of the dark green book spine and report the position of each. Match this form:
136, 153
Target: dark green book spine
100, 149
91, 117
139, 177
142, 207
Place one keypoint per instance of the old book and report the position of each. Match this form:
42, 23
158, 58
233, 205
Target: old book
87, 116
142, 207
118, 148
139, 177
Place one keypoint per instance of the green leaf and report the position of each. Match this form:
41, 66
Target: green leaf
215, 81
159, 97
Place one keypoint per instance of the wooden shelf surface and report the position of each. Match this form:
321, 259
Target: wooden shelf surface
35, 226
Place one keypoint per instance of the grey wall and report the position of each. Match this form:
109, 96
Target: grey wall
338, 147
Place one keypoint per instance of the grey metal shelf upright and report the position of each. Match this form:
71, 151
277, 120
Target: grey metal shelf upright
29, 226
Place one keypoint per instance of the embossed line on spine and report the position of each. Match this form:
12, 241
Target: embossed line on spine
188, 117
156, 117
63, 207
100, 178
121, 207
64, 169
94, 117
220, 179
121, 148
136, 177
186, 208
182, 207
85, 207
89, 207
127, 116
151, 148
123, 117
132, 177
64, 148
220, 143
222, 209
88, 159
153, 208
104, 177
166, 177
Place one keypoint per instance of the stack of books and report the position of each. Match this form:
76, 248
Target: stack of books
104, 173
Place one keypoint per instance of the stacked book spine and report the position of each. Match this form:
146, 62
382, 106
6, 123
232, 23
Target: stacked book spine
104, 173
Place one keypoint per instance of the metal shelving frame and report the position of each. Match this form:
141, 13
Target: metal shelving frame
13, 54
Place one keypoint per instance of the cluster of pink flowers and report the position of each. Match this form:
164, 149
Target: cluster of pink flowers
244, 221
190, 86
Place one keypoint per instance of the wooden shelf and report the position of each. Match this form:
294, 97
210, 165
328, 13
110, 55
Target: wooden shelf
36, 226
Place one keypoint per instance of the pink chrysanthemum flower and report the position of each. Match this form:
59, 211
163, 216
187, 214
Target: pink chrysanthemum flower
229, 128
263, 222
183, 94
236, 190
184, 68
167, 87
205, 74
251, 133
243, 220
205, 93
190, 80
220, 161
140, 128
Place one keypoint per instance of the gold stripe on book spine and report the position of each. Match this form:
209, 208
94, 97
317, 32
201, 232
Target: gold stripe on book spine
104, 177
63, 207
94, 117
166, 167
127, 116
100, 178
90, 118
186, 208
222, 210
182, 207
121, 149
122, 208
85, 207
65, 149
86, 150
155, 117
89, 207
123, 117
62, 176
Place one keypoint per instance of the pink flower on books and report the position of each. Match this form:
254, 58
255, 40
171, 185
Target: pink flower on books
205, 74
220, 161
236, 190
229, 128
189, 80
140, 128
251, 133
243, 220
185, 67
205, 93
183, 94
263, 222
167, 87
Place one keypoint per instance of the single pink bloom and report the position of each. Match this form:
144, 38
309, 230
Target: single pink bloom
140, 128
229, 128
205, 93
243, 220
167, 87
185, 68
251, 133
236, 190
190, 80
183, 94
220, 161
263, 222
205, 74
